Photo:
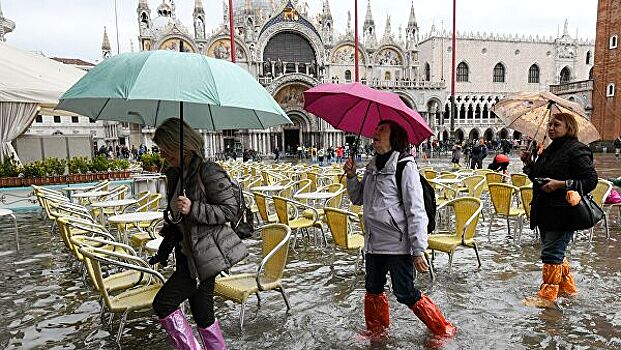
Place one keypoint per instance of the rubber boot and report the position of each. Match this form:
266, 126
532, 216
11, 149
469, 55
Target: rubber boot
212, 337
376, 314
179, 331
567, 287
431, 316
548, 292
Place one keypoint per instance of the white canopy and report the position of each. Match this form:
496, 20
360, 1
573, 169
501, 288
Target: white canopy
27, 81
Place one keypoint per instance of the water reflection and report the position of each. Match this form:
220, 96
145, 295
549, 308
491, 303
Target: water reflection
46, 305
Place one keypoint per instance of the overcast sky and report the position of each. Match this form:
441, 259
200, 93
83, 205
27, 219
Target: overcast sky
74, 28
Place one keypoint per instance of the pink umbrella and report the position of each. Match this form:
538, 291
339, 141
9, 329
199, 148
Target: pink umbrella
358, 109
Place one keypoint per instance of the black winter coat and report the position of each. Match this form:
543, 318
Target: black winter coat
565, 159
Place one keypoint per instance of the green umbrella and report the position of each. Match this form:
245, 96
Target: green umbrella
150, 87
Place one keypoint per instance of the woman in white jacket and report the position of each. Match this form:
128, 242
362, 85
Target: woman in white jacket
396, 232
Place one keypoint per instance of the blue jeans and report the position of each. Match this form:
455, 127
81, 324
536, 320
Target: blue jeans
553, 245
401, 269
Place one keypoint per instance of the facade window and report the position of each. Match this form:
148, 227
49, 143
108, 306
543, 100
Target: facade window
91, 120
462, 72
56, 119
427, 72
39, 118
614, 41
591, 73
499, 73
387, 76
348, 75
533, 74
610, 90
588, 57
75, 119
565, 75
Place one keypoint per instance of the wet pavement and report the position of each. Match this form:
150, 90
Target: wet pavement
46, 305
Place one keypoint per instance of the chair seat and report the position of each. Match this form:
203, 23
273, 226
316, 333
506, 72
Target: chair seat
236, 287
445, 242
140, 239
355, 241
135, 299
302, 223
517, 212
122, 280
310, 214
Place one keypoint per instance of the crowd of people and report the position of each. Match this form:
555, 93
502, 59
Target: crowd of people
122, 152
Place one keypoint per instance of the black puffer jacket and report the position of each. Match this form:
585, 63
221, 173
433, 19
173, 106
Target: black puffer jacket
209, 243
565, 159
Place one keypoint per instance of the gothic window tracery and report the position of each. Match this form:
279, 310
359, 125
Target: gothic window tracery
533, 74
462, 72
499, 73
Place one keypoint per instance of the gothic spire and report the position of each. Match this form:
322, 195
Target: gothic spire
387, 30
368, 20
326, 9
412, 20
105, 44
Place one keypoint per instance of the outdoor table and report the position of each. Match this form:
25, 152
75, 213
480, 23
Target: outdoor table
153, 245
114, 204
316, 195
90, 195
134, 219
447, 181
269, 188
71, 189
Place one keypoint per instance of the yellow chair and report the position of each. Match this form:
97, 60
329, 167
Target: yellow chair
137, 298
429, 174
519, 179
467, 211
288, 212
343, 234
493, 178
501, 196
471, 183
526, 194
263, 206
600, 193
239, 287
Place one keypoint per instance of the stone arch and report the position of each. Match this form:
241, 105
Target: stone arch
459, 135
489, 134
174, 42
290, 95
307, 33
445, 135
289, 79
407, 99
220, 47
474, 134
503, 134
383, 56
343, 48
565, 75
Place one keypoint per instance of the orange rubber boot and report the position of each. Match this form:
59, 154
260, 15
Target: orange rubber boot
431, 316
548, 292
567, 287
376, 314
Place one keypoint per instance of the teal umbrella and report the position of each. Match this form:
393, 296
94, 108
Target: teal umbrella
150, 87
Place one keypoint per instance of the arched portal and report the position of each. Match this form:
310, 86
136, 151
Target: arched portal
474, 134
292, 133
488, 135
503, 134
288, 50
459, 135
445, 135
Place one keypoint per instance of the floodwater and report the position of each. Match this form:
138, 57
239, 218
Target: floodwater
46, 305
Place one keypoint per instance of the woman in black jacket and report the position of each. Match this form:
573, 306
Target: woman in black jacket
566, 164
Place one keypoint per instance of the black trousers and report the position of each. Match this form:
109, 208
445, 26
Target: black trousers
401, 269
181, 286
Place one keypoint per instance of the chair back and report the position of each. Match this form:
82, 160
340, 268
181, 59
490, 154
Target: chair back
116, 193
339, 225
429, 174
275, 249
467, 211
260, 200
313, 176
471, 182
501, 195
519, 179
102, 186
282, 209
526, 193
601, 191
152, 204
447, 175
493, 178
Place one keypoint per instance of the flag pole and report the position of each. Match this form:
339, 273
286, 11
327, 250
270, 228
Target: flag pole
232, 32
356, 39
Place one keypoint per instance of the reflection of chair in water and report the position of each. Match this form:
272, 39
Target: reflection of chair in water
9, 213
467, 210
238, 287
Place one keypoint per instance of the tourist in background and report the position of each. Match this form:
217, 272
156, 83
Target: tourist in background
456, 154
477, 153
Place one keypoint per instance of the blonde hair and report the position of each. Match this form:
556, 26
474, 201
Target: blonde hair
166, 136
570, 122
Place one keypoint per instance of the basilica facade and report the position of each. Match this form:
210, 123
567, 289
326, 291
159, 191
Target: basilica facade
290, 50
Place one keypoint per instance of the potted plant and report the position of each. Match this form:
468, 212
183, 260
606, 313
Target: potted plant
55, 168
78, 169
10, 173
100, 165
34, 173
119, 168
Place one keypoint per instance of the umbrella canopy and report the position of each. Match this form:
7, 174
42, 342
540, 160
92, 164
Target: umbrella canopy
358, 109
150, 87
528, 113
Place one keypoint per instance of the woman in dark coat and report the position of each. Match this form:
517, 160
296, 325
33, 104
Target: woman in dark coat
566, 164
204, 244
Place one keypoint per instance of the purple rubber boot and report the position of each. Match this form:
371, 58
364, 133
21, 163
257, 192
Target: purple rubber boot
179, 331
212, 337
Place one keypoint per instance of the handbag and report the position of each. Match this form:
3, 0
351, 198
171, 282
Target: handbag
586, 213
